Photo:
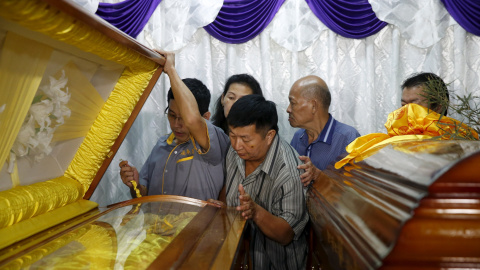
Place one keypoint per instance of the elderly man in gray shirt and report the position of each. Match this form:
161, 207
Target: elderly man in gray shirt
189, 161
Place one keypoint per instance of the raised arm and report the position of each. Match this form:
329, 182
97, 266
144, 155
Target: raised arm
186, 103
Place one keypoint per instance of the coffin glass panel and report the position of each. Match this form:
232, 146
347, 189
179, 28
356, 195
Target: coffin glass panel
125, 237
164, 232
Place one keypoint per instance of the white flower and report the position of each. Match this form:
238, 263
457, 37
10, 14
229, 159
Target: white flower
43, 139
54, 90
41, 111
36, 133
22, 143
58, 97
60, 112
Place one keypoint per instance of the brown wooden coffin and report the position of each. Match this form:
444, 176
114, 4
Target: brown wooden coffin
408, 205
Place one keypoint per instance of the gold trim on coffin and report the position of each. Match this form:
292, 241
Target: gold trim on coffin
39, 16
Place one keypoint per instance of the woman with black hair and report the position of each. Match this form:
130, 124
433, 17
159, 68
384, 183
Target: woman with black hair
237, 86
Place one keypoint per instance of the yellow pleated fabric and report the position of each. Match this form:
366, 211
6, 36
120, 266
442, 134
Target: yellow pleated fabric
22, 64
107, 126
25, 202
85, 103
410, 122
100, 244
29, 227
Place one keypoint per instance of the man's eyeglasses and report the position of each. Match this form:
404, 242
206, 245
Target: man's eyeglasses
172, 117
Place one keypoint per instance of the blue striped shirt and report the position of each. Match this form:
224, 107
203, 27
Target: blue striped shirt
331, 142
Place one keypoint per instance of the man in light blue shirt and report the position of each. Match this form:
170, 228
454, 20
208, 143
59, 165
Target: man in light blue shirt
321, 138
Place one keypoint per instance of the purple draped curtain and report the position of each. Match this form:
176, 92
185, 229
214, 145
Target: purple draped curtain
130, 16
241, 20
466, 13
351, 19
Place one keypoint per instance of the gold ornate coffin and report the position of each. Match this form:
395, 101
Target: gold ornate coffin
404, 205
70, 88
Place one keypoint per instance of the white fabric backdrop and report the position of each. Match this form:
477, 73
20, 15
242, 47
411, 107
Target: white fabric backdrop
364, 75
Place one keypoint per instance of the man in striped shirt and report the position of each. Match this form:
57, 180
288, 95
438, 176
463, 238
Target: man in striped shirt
263, 182
321, 138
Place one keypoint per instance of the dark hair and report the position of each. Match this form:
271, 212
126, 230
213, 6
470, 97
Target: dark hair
199, 91
254, 109
218, 118
432, 81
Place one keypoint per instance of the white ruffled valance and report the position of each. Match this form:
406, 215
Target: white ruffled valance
173, 23
421, 23
295, 27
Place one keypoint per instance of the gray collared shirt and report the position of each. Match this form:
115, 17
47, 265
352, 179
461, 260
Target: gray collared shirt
274, 185
183, 169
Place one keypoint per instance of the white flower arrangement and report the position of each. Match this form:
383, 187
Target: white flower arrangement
47, 113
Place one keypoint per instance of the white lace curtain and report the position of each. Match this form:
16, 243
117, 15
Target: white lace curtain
364, 76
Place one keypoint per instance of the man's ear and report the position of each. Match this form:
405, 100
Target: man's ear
314, 106
270, 135
207, 115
